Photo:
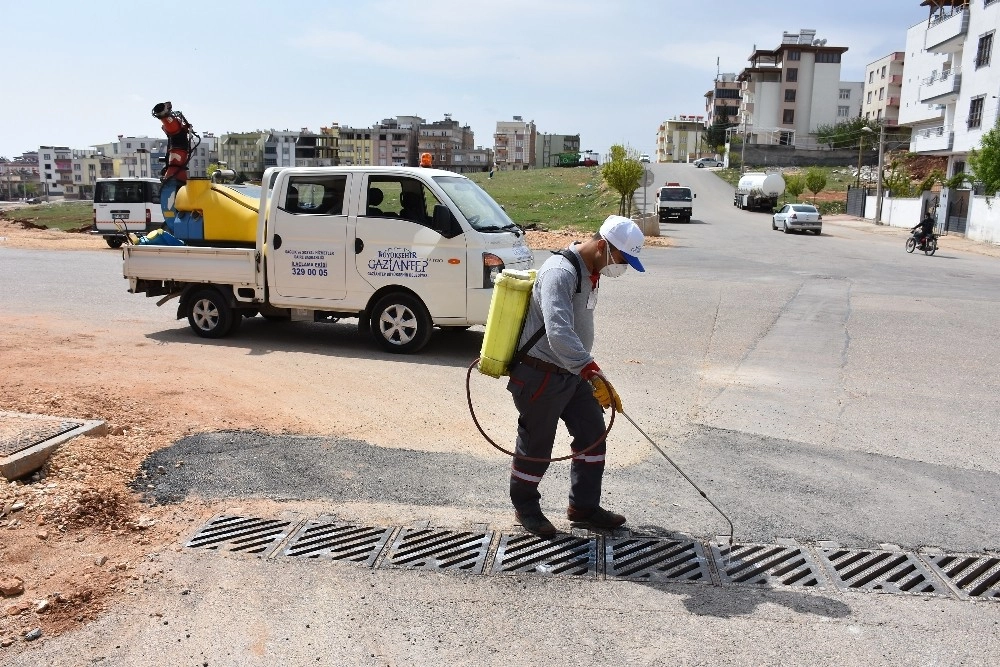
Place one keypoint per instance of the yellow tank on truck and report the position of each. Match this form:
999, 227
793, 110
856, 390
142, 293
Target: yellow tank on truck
508, 310
228, 215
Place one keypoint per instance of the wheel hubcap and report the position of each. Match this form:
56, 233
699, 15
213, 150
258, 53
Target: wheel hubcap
398, 324
205, 314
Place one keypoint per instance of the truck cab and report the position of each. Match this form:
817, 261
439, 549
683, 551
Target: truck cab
402, 249
674, 200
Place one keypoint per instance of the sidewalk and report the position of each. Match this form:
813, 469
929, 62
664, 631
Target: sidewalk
945, 242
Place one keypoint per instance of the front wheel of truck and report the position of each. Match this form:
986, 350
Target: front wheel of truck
400, 323
209, 314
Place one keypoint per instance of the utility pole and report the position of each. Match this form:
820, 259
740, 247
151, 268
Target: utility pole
878, 186
743, 146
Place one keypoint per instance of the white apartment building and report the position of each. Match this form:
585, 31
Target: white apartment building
55, 169
790, 91
278, 147
679, 139
950, 89
514, 143
883, 87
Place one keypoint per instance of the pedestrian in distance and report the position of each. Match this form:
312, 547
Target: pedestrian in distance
554, 376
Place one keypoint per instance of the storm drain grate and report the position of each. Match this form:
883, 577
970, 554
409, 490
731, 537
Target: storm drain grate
765, 565
240, 534
880, 571
563, 554
20, 433
432, 549
969, 576
335, 541
647, 559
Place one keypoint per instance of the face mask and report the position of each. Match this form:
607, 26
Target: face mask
613, 270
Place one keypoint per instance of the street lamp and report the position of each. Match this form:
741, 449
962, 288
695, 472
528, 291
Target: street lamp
878, 175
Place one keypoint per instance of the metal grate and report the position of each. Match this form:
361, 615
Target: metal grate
431, 549
240, 534
880, 571
647, 559
765, 565
20, 433
563, 554
333, 541
970, 576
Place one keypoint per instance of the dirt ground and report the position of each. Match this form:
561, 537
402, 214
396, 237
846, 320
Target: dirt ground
75, 536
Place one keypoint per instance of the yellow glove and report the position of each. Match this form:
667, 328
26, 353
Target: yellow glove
605, 393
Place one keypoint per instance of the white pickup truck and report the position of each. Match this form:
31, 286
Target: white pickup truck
400, 248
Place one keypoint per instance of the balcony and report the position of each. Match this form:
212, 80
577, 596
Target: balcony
892, 102
946, 33
895, 79
930, 139
941, 88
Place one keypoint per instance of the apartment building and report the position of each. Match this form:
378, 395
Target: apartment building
883, 89
470, 160
679, 139
243, 151
356, 147
514, 143
548, 148
318, 150
445, 140
722, 102
394, 141
278, 147
204, 154
952, 87
19, 176
55, 168
789, 91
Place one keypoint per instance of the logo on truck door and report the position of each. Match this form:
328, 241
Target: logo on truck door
310, 262
397, 263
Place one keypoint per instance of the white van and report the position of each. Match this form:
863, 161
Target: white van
123, 205
402, 249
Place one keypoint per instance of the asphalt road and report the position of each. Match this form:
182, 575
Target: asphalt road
817, 388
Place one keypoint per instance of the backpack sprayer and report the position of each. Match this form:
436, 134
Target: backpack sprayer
504, 322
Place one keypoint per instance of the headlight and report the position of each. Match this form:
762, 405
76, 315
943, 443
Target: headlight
492, 266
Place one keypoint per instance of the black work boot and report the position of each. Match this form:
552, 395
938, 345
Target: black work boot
595, 518
535, 523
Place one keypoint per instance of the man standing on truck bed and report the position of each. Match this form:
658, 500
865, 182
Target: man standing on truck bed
553, 371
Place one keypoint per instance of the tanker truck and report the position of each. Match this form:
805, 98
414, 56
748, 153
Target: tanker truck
759, 191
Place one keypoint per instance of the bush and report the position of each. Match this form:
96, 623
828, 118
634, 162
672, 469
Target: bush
832, 207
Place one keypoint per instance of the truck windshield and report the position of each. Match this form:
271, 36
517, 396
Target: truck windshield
479, 209
675, 194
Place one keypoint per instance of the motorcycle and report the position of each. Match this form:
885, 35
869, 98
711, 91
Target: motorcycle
928, 246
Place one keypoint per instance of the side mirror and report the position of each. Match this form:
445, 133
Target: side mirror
444, 222
695, 196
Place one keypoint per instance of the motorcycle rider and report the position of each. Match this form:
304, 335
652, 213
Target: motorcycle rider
926, 227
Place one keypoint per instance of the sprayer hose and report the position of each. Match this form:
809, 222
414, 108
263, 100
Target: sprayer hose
472, 411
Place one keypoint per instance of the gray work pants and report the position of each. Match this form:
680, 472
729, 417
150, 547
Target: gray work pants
542, 399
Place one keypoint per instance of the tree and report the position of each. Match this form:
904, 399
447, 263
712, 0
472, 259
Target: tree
715, 135
985, 162
849, 134
815, 181
623, 173
795, 185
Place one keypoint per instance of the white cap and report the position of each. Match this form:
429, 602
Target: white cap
626, 237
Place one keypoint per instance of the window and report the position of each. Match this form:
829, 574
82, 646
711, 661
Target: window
871, 76
869, 97
976, 112
790, 95
788, 116
843, 112
883, 71
985, 50
794, 55
792, 74
881, 93
827, 57
318, 195
786, 138
845, 93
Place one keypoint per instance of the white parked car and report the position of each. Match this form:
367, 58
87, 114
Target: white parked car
798, 218
643, 158
707, 162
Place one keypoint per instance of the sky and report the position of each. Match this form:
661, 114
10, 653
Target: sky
80, 73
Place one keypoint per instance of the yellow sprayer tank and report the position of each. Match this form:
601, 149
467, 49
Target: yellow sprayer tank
508, 309
228, 214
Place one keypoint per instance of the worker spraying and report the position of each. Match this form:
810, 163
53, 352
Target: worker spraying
555, 377
181, 142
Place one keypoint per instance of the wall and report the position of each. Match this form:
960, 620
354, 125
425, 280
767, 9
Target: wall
983, 222
789, 156
919, 65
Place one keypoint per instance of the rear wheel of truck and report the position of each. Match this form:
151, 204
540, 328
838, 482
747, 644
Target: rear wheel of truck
400, 323
114, 241
210, 316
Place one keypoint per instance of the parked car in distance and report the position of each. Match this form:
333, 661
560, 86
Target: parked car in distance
798, 218
643, 158
34, 200
707, 162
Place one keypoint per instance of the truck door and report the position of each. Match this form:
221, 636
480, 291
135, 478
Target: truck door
396, 244
308, 239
